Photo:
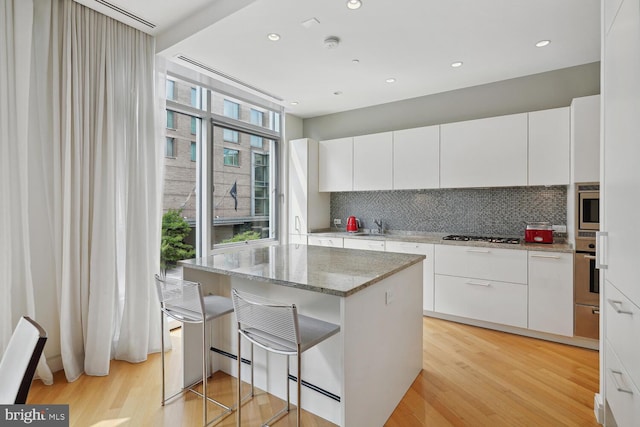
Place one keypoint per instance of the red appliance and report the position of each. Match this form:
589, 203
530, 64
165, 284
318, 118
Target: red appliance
352, 224
538, 232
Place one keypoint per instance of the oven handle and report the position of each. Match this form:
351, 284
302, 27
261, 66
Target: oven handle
590, 257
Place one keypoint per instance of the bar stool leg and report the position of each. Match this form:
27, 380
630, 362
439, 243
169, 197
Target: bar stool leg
299, 396
162, 352
239, 387
204, 373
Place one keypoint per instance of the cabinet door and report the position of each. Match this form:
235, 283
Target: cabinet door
484, 153
585, 139
426, 249
551, 292
621, 175
298, 193
373, 162
336, 165
416, 158
549, 147
365, 244
298, 239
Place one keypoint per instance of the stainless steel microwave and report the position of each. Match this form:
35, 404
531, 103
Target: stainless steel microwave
588, 206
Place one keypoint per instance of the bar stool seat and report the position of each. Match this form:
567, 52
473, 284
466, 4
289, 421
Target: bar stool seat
277, 328
184, 301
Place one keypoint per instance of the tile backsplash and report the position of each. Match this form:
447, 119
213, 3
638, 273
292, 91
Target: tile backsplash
499, 211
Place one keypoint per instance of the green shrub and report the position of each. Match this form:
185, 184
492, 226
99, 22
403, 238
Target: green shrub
241, 237
172, 247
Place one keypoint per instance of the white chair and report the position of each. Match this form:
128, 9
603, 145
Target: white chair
277, 328
184, 301
19, 361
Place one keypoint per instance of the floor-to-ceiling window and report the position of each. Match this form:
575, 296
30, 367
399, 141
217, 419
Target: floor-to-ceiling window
221, 163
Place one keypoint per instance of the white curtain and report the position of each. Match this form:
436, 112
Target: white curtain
95, 187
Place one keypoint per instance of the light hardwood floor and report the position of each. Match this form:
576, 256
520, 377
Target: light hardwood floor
471, 377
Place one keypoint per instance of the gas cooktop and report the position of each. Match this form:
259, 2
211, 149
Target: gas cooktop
462, 238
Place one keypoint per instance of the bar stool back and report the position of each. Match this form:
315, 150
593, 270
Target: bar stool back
277, 328
184, 301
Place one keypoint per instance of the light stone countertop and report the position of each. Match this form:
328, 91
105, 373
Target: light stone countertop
436, 238
333, 271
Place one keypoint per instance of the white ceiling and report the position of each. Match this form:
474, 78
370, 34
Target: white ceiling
413, 41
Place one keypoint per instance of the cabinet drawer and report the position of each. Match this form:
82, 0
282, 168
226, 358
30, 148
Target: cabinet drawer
622, 395
335, 242
622, 325
368, 245
505, 265
491, 301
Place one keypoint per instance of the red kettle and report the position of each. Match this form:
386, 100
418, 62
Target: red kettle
352, 224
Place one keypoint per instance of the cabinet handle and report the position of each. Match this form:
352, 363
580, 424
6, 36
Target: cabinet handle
595, 311
471, 282
545, 256
478, 251
601, 237
618, 310
589, 257
614, 375
297, 223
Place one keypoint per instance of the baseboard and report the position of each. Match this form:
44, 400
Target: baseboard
598, 408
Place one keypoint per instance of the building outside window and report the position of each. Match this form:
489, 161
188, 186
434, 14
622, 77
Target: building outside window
171, 89
170, 150
256, 119
194, 125
194, 152
171, 123
194, 98
232, 110
231, 157
261, 184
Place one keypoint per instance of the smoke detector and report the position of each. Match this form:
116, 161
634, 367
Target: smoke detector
331, 42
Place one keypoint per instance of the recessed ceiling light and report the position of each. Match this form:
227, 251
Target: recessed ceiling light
338, 92
273, 37
543, 43
456, 64
354, 4
355, 61
390, 80
294, 102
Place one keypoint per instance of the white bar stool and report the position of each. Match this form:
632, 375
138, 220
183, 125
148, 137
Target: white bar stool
277, 328
184, 301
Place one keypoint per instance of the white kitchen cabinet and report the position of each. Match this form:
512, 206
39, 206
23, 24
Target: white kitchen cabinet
426, 249
623, 396
487, 300
549, 147
336, 165
373, 162
484, 153
298, 239
585, 139
416, 158
551, 292
334, 242
308, 208
366, 244
619, 187
505, 265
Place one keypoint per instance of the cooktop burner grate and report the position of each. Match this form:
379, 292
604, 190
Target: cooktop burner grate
463, 238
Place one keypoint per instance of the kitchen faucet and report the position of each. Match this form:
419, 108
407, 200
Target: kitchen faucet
378, 222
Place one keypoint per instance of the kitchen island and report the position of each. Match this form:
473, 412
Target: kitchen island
358, 376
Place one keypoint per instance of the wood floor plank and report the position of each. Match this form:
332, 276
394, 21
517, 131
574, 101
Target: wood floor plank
471, 377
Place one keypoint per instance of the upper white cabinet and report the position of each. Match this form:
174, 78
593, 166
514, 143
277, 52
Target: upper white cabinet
308, 208
585, 139
336, 165
416, 158
373, 162
484, 153
551, 292
549, 147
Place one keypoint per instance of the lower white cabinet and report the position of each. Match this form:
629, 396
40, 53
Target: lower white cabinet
335, 242
298, 239
487, 300
426, 249
623, 396
551, 292
505, 265
366, 244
